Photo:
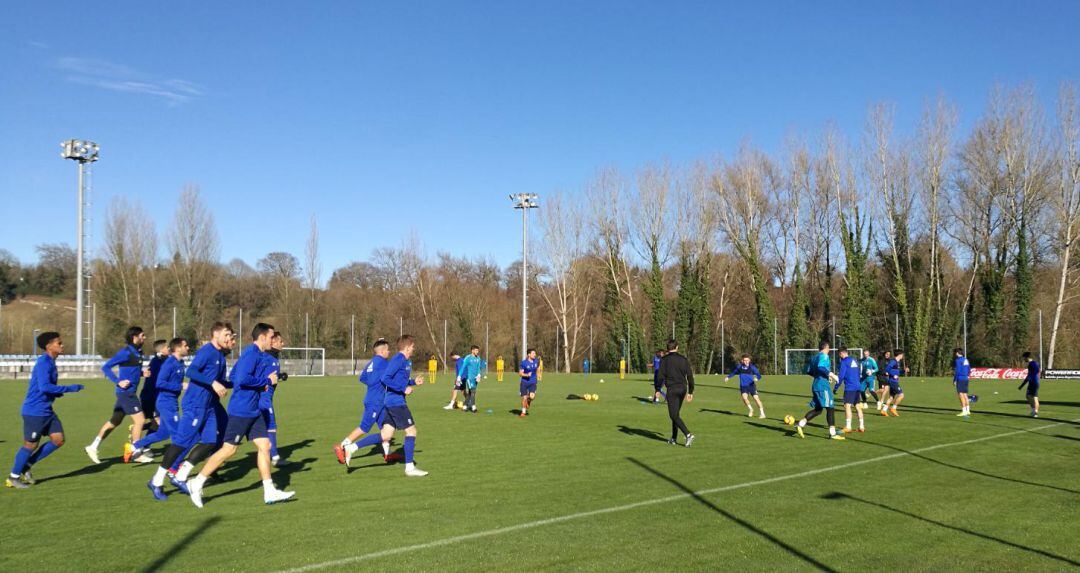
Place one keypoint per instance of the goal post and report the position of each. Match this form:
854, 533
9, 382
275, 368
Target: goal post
796, 359
298, 361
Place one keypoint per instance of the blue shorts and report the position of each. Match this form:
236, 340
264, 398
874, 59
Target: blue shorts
269, 418
852, 397
822, 399
169, 412
34, 427
894, 388
398, 416
459, 384
149, 402
1033, 389
251, 428
196, 426
129, 404
372, 417
962, 386
528, 388
751, 389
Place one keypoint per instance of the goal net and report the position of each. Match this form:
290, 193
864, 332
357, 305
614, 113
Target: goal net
303, 361
796, 359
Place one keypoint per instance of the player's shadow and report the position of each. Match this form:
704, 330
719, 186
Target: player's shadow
569, 397
952, 411
282, 475
1045, 403
724, 412
786, 430
969, 470
182, 544
840, 496
1064, 437
84, 471
795, 552
643, 399
641, 432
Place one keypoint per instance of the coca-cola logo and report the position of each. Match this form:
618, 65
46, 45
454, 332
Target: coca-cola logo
999, 373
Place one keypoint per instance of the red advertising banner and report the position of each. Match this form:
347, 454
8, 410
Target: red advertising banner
998, 373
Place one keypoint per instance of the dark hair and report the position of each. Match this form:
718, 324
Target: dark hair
219, 326
898, 352
131, 333
176, 343
260, 329
1026, 355
672, 344
159, 343
744, 356
958, 350
474, 347
380, 342
530, 351
403, 341
277, 334
45, 338
823, 346
843, 349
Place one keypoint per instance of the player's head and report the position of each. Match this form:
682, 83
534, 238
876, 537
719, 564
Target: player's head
672, 345
531, 354
406, 344
474, 350
958, 351
220, 333
1027, 357
261, 334
178, 347
843, 351
381, 347
50, 342
866, 353
277, 342
888, 355
899, 354
161, 346
823, 347
135, 336
745, 359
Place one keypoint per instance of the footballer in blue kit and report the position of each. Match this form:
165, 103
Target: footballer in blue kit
820, 370
868, 368
459, 380
893, 371
169, 384
373, 415
246, 420
749, 376
397, 384
196, 432
1031, 380
271, 362
962, 379
527, 372
658, 384
148, 394
39, 419
850, 377
129, 370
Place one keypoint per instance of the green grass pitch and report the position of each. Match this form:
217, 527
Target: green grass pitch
580, 486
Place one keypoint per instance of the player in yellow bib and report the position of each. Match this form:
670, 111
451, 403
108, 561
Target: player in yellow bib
432, 367
499, 365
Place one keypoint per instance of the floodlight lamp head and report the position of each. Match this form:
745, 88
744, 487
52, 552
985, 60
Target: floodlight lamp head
79, 150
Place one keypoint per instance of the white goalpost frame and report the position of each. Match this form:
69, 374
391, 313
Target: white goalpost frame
304, 356
834, 357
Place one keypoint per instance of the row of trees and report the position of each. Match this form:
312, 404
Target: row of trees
919, 238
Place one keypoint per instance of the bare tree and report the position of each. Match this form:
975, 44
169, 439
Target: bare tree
1066, 206
193, 242
652, 235
562, 226
312, 267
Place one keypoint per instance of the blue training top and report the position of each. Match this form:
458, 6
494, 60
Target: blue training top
129, 361
43, 389
371, 377
748, 374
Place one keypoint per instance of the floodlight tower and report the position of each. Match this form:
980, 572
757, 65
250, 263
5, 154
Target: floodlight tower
84, 153
524, 201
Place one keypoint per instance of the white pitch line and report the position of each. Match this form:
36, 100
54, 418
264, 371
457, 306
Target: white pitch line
646, 503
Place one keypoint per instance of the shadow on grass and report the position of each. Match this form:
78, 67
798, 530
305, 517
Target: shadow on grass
643, 399
84, 471
282, 476
742, 522
969, 470
952, 411
1044, 403
641, 432
183, 543
724, 412
786, 430
574, 397
1064, 437
839, 496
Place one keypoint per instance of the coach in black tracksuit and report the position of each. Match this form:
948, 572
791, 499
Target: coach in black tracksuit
676, 374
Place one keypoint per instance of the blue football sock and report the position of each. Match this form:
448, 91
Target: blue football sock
273, 443
21, 457
42, 453
369, 440
410, 445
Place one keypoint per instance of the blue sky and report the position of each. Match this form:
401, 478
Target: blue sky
384, 118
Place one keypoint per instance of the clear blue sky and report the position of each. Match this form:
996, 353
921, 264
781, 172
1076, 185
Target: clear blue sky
387, 117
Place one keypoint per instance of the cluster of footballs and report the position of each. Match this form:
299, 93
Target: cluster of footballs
591, 397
